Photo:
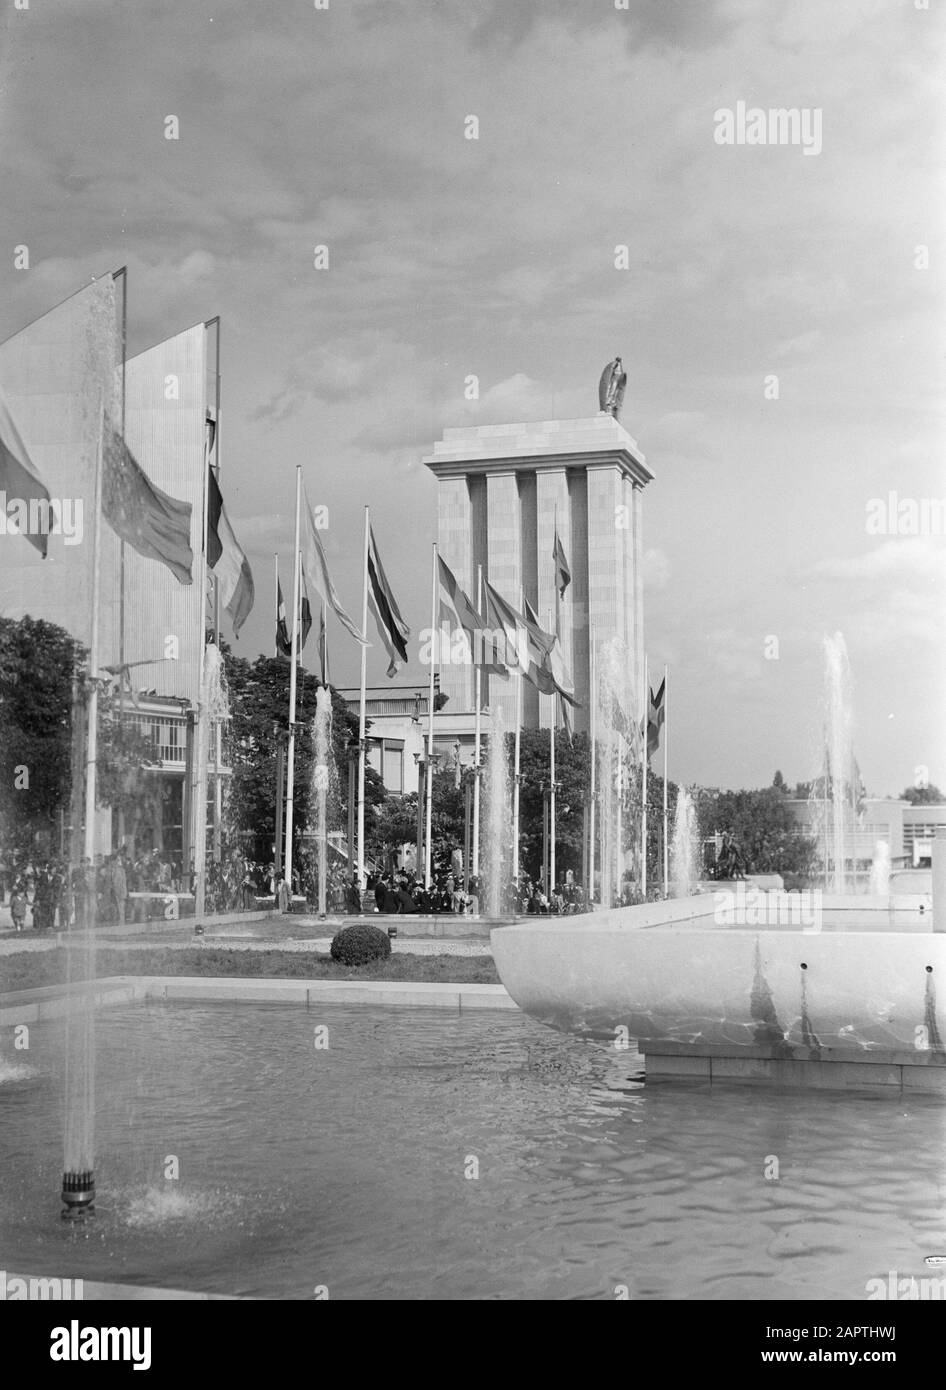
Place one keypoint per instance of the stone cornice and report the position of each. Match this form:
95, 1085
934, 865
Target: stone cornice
599, 441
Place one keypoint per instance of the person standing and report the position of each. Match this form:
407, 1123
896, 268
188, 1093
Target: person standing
18, 906
119, 888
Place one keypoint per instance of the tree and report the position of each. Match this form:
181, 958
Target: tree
572, 774
779, 783
37, 661
923, 796
763, 826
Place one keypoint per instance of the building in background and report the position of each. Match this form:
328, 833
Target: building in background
502, 492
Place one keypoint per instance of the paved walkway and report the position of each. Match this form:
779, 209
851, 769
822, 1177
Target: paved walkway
417, 946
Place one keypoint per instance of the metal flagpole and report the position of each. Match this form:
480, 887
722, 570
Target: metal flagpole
666, 809
551, 886
477, 734
294, 651
202, 731
361, 718
430, 721
93, 707
646, 702
593, 701
515, 780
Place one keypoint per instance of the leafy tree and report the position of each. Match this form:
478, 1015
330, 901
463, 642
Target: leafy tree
923, 796
259, 725
573, 775
779, 783
762, 825
37, 660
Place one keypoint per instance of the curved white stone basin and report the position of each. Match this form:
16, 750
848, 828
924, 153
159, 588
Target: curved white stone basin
871, 975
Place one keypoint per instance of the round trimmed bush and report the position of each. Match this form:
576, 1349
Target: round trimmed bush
360, 944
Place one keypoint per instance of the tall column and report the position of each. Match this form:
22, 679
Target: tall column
609, 533
553, 507
454, 543
505, 567
637, 561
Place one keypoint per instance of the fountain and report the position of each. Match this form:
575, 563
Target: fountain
880, 870
683, 845
322, 739
496, 850
617, 768
839, 780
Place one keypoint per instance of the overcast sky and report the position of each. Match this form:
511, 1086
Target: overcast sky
496, 256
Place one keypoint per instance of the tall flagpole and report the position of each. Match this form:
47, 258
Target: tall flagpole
93, 707
276, 632
555, 699
430, 723
666, 809
294, 651
362, 722
593, 701
646, 703
478, 699
515, 783
203, 727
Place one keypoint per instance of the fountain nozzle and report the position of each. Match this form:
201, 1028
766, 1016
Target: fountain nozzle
78, 1195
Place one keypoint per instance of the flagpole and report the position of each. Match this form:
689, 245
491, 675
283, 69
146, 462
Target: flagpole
93, 707
666, 810
515, 785
555, 700
593, 700
361, 716
430, 722
294, 651
478, 699
646, 704
202, 729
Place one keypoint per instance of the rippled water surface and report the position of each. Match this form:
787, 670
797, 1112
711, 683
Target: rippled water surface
427, 1155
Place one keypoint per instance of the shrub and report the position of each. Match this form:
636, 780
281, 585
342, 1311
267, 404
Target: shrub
360, 944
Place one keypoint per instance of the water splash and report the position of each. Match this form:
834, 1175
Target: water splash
880, 870
322, 740
618, 768
496, 847
161, 1206
683, 847
838, 787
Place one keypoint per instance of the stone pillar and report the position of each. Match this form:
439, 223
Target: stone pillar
505, 568
553, 507
454, 544
939, 879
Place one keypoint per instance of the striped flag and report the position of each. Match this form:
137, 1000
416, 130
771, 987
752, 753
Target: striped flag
547, 669
152, 523
283, 640
456, 611
512, 624
316, 569
392, 627
226, 558
20, 483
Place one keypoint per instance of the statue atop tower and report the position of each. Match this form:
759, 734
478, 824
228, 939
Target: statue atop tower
611, 388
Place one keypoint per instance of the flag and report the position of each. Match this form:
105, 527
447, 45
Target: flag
152, 523
316, 569
283, 640
226, 558
20, 481
392, 627
323, 647
456, 611
655, 718
504, 618
305, 615
563, 575
547, 669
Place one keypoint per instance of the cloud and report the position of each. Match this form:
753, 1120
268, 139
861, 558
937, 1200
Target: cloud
916, 557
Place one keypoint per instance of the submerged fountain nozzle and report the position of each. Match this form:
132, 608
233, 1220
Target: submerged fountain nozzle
78, 1195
